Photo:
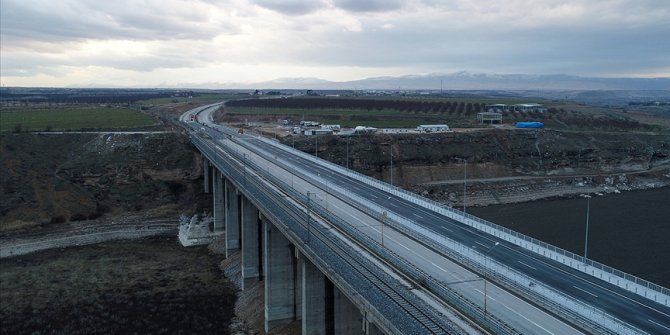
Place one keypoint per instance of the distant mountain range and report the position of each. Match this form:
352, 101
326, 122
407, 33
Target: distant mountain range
468, 81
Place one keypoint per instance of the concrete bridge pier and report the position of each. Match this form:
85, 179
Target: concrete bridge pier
370, 328
313, 299
219, 201
279, 266
206, 173
251, 242
347, 319
233, 218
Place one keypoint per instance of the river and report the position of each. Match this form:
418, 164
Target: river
628, 231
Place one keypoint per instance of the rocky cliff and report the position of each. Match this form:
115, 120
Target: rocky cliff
49, 179
504, 165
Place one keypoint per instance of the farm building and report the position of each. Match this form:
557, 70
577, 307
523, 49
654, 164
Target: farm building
489, 117
432, 128
311, 132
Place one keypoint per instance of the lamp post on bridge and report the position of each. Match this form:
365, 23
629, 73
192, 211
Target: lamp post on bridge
384, 216
486, 272
309, 209
245, 169
348, 136
586, 234
391, 151
465, 182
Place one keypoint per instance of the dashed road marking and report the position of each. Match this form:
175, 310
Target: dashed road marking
585, 291
527, 265
658, 324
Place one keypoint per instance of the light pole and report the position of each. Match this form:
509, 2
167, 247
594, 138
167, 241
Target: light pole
348, 136
308, 214
316, 151
391, 151
245, 169
465, 182
384, 215
486, 272
586, 235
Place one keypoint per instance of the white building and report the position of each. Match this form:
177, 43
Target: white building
530, 107
333, 127
489, 117
364, 130
312, 132
432, 128
309, 124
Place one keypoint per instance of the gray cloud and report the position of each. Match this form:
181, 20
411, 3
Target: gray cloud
75, 20
291, 7
369, 5
597, 37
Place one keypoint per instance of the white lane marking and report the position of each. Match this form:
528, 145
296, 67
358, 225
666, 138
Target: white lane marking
417, 215
482, 244
658, 324
570, 274
585, 291
527, 265
527, 319
402, 245
439, 267
488, 296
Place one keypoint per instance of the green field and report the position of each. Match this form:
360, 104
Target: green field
200, 98
70, 118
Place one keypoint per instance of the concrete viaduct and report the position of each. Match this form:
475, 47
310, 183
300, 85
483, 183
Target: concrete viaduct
348, 255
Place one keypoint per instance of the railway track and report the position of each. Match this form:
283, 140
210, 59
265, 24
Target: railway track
424, 319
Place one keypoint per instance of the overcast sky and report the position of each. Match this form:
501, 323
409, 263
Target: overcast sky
194, 42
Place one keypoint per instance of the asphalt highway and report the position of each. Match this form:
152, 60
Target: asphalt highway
638, 311
642, 313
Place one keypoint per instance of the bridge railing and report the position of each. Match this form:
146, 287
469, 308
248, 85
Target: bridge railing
409, 269
256, 190
577, 311
614, 276
580, 313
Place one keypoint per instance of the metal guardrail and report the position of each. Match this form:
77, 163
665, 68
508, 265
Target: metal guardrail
409, 269
417, 273
259, 193
579, 313
527, 242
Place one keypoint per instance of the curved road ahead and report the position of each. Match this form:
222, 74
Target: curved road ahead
642, 313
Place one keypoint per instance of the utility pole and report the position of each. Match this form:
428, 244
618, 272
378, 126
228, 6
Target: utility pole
586, 236
384, 216
308, 214
485, 273
391, 150
348, 136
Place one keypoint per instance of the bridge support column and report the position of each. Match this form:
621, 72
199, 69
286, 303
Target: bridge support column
206, 173
313, 299
279, 267
348, 319
219, 202
369, 328
250, 241
232, 217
